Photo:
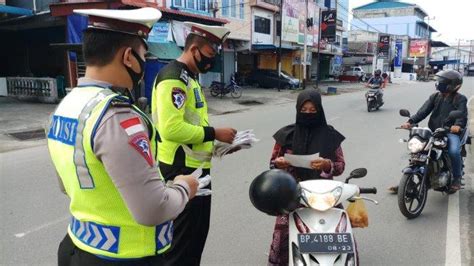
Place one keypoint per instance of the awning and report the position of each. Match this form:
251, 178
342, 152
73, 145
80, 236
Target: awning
15, 10
164, 51
272, 47
444, 62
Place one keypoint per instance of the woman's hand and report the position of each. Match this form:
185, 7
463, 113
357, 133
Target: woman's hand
321, 164
281, 163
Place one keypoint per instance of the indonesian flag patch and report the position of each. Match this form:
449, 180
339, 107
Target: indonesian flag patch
132, 126
142, 145
178, 97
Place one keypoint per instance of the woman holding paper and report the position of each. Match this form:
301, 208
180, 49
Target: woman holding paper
309, 136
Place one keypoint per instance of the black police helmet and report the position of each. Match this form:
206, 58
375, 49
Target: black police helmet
274, 192
377, 72
448, 80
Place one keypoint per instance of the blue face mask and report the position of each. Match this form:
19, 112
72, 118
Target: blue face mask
442, 87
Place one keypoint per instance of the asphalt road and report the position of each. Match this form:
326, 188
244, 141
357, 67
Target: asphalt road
34, 215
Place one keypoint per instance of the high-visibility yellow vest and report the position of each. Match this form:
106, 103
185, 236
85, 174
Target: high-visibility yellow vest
169, 120
101, 223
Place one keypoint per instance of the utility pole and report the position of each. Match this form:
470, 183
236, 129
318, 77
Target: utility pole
319, 47
279, 47
214, 11
428, 42
459, 53
305, 46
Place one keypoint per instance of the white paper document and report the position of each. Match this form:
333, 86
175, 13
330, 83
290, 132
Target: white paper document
243, 140
303, 161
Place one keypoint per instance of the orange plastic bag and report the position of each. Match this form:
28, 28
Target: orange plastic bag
358, 214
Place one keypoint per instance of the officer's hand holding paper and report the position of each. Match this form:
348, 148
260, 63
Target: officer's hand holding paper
303, 161
243, 140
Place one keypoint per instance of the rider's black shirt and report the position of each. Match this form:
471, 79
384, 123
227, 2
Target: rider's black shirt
440, 106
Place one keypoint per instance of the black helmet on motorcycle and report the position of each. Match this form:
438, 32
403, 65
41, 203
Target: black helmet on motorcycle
377, 72
274, 192
448, 81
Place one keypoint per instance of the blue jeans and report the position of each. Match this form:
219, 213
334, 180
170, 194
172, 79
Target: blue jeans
454, 151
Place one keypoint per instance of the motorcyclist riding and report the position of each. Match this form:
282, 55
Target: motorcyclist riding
439, 105
379, 82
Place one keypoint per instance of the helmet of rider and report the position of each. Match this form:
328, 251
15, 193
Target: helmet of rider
448, 81
377, 72
275, 192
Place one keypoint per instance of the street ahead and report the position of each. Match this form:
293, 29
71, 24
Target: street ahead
34, 213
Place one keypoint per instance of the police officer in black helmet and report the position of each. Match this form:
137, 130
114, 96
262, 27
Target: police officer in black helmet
439, 105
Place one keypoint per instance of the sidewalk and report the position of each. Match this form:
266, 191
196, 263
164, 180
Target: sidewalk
29, 119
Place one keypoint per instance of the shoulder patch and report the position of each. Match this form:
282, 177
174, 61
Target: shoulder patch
142, 145
132, 126
178, 97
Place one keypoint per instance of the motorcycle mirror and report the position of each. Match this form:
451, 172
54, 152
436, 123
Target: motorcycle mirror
357, 173
404, 112
455, 115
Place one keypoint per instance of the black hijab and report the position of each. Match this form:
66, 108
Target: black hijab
310, 134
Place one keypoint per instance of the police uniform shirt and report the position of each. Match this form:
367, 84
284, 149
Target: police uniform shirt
132, 169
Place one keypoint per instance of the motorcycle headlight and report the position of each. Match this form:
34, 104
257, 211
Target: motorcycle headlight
415, 145
323, 201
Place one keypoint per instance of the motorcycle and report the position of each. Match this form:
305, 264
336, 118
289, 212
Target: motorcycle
320, 233
219, 88
429, 165
373, 97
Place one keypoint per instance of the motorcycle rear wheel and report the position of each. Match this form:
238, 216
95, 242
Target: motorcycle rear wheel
215, 91
410, 191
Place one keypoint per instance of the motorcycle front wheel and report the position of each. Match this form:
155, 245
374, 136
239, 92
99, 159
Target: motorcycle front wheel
215, 90
236, 92
412, 195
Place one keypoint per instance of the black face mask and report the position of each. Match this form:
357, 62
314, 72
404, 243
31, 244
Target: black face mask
136, 77
442, 87
307, 119
201, 65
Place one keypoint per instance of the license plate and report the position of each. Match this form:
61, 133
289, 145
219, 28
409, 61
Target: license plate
370, 99
325, 243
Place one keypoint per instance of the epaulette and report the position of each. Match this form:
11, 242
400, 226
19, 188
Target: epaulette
120, 104
173, 70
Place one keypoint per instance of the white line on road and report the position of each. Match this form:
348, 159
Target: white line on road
38, 228
453, 234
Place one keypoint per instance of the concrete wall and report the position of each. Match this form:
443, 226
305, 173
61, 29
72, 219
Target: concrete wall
240, 28
389, 12
400, 25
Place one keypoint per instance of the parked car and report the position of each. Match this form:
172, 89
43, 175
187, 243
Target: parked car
355, 71
268, 78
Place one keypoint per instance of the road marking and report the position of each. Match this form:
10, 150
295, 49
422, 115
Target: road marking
453, 234
43, 226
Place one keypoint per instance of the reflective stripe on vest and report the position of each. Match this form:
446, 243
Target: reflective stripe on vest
104, 237
85, 179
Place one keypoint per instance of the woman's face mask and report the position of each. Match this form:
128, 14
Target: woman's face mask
308, 115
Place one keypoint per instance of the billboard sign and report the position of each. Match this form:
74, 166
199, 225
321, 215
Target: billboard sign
328, 25
383, 47
398, 60
418, 48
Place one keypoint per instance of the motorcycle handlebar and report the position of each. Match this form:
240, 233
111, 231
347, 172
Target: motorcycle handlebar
372, 190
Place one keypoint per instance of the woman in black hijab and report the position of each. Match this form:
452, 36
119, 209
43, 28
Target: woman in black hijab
309, 135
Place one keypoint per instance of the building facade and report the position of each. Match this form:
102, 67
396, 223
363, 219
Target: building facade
392, 17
